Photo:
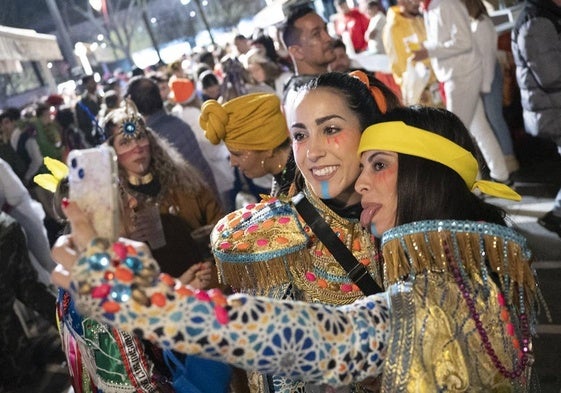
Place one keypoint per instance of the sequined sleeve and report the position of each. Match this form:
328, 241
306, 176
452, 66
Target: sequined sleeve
311, 342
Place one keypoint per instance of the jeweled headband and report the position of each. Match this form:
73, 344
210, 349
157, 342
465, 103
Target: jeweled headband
399, 137
128, 120
133, 124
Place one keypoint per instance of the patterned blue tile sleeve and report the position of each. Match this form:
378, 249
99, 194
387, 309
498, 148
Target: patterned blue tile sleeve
316, 343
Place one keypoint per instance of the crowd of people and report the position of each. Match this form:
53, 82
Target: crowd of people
401, 281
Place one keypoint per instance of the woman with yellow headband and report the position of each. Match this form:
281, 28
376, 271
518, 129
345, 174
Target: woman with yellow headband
459, 307
459, 281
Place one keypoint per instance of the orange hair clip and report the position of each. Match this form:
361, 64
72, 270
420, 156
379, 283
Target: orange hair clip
379, 97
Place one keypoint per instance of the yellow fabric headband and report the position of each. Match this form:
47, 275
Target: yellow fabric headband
399, 137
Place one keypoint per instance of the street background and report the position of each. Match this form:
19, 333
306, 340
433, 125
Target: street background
538, 182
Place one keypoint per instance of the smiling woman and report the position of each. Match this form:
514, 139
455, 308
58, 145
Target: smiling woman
459, 306
324, 144
267, 248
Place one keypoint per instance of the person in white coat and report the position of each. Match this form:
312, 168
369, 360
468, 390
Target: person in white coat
17, 202
188, 109
457, 65
485, 40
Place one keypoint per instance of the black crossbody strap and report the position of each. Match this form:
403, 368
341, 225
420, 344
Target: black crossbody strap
355, 270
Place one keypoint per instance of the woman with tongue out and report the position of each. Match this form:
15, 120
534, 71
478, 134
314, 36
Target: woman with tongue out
460, 302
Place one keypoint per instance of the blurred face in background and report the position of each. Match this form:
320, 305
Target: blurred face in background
212, 91
164, 90
7, 126
250, 162
410, 7
242, 45
315, 44
257, 72
342, 62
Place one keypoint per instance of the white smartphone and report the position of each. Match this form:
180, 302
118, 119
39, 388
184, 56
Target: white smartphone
93, 183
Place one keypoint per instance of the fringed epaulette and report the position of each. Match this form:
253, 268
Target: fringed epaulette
249, 244
479, 248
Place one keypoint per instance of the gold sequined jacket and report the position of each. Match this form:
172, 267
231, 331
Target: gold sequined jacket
462, 300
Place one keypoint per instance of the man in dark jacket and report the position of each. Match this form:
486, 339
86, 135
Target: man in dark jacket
536, 46
87, 110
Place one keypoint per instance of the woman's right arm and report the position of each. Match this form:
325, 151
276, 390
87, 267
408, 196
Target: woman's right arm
119, 284
311, 342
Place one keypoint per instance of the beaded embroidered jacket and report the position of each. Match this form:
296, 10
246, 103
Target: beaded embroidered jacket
268, 249
456, 289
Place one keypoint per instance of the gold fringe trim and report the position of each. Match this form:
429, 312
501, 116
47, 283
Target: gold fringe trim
420, 255
263, 278
255, 277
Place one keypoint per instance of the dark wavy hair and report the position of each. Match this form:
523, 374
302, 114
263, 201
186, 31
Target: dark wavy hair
356, 94
428, 190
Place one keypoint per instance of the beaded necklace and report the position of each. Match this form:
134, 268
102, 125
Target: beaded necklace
464, 286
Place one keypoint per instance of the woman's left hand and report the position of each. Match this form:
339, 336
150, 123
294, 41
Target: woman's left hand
420, 55
68, 248
198, 276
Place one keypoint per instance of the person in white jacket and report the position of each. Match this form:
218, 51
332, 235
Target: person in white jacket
457, 65
17, 202
485, 40
188, 109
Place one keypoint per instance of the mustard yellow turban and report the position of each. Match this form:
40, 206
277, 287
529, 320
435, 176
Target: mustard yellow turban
248, 122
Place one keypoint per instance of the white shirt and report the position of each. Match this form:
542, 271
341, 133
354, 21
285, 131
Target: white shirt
377, 23
28, 213
449, 40
217, 156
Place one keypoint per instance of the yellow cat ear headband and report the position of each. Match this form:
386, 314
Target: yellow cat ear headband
399, 137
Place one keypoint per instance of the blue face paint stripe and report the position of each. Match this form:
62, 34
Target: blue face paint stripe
373, 230
325, 190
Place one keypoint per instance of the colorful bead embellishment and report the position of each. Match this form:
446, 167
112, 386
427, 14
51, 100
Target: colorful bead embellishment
99, 261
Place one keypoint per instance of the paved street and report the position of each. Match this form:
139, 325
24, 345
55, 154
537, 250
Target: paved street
538, 181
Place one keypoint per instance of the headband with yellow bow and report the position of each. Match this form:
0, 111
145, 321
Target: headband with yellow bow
399, 137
